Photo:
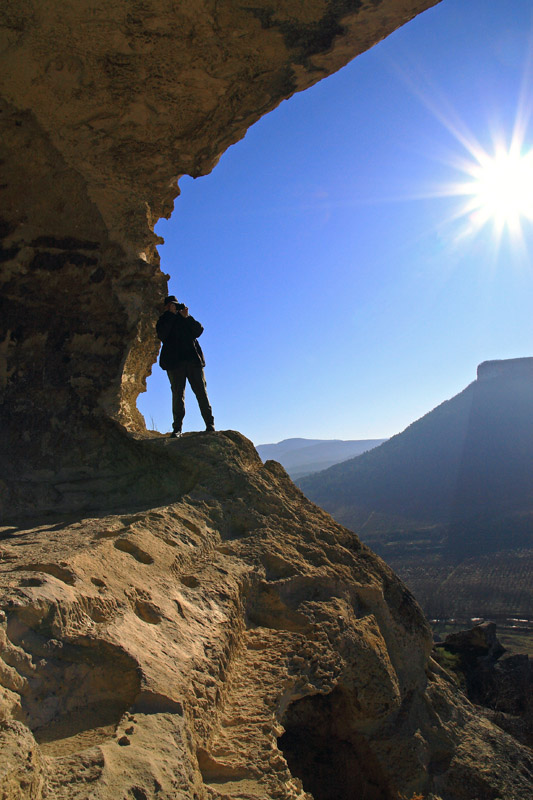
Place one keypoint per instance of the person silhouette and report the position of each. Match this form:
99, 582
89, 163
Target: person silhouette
183, 360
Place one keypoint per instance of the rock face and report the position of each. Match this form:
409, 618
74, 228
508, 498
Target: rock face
501, 682
102, 107
506, 368
201, 631
237, 644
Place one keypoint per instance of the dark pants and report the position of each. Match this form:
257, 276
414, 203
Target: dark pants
194, 373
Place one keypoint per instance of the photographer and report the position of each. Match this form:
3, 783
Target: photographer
182, 358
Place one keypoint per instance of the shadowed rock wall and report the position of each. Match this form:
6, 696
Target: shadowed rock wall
102, 107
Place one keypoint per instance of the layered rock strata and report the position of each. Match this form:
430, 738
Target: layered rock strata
103, 106
236, 644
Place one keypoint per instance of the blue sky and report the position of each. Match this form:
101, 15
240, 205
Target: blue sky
342, 294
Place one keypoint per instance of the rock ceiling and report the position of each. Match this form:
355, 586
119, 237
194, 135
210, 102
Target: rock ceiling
103, 106
201, 631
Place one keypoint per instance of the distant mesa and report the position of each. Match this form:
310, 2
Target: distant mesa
506, 368
454, 488
302, 457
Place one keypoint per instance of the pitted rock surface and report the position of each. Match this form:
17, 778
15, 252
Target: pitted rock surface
177, 621
237, 643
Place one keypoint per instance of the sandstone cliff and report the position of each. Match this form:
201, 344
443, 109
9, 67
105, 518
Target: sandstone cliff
237, 643
103, 106
181, 623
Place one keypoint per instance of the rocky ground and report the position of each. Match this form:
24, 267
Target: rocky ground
498, 681
199, 630
235, 643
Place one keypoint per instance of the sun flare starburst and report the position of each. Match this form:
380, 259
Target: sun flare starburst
499, 189
493, 189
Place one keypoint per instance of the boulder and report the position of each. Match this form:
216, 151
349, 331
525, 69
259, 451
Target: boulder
479, 641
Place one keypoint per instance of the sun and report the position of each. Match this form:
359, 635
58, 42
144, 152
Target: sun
494, 183
500, 189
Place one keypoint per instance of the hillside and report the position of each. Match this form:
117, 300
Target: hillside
302, 457
449, 493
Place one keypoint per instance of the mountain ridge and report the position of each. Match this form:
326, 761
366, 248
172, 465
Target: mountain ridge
303, 456
449, 501
490, 417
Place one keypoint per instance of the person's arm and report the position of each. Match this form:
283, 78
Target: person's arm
194, 327
164, 324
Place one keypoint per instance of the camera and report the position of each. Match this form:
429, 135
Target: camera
180, 306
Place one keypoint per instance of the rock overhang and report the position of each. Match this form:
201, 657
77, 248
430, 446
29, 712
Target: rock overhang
102, 108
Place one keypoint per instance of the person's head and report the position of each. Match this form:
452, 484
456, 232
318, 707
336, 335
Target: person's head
172, 303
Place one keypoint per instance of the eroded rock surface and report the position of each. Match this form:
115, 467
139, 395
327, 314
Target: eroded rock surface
201, 631
237, 643
499, 681
103, 105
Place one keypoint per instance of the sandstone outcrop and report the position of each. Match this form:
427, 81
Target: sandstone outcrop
499, 681
181, 623
103, 106
237, 644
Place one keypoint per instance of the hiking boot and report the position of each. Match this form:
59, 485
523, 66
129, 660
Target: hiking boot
209, 427
175, 434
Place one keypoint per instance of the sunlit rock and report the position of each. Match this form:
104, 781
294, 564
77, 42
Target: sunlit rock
102, 108
237, 643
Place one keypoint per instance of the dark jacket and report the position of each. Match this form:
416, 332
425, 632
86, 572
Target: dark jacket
179, 335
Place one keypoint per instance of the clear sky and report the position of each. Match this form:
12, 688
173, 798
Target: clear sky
343, 291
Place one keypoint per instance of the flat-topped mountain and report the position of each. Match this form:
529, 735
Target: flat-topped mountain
470, 455
457, 483
302, 457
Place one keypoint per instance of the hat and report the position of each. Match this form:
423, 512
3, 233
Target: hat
171, 299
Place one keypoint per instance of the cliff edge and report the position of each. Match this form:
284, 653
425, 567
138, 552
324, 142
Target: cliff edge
103, 106
237, 643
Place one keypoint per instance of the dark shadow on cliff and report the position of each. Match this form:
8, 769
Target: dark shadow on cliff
105, 470
331, 759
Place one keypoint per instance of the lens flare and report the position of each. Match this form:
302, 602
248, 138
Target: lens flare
501, 190
493, 186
